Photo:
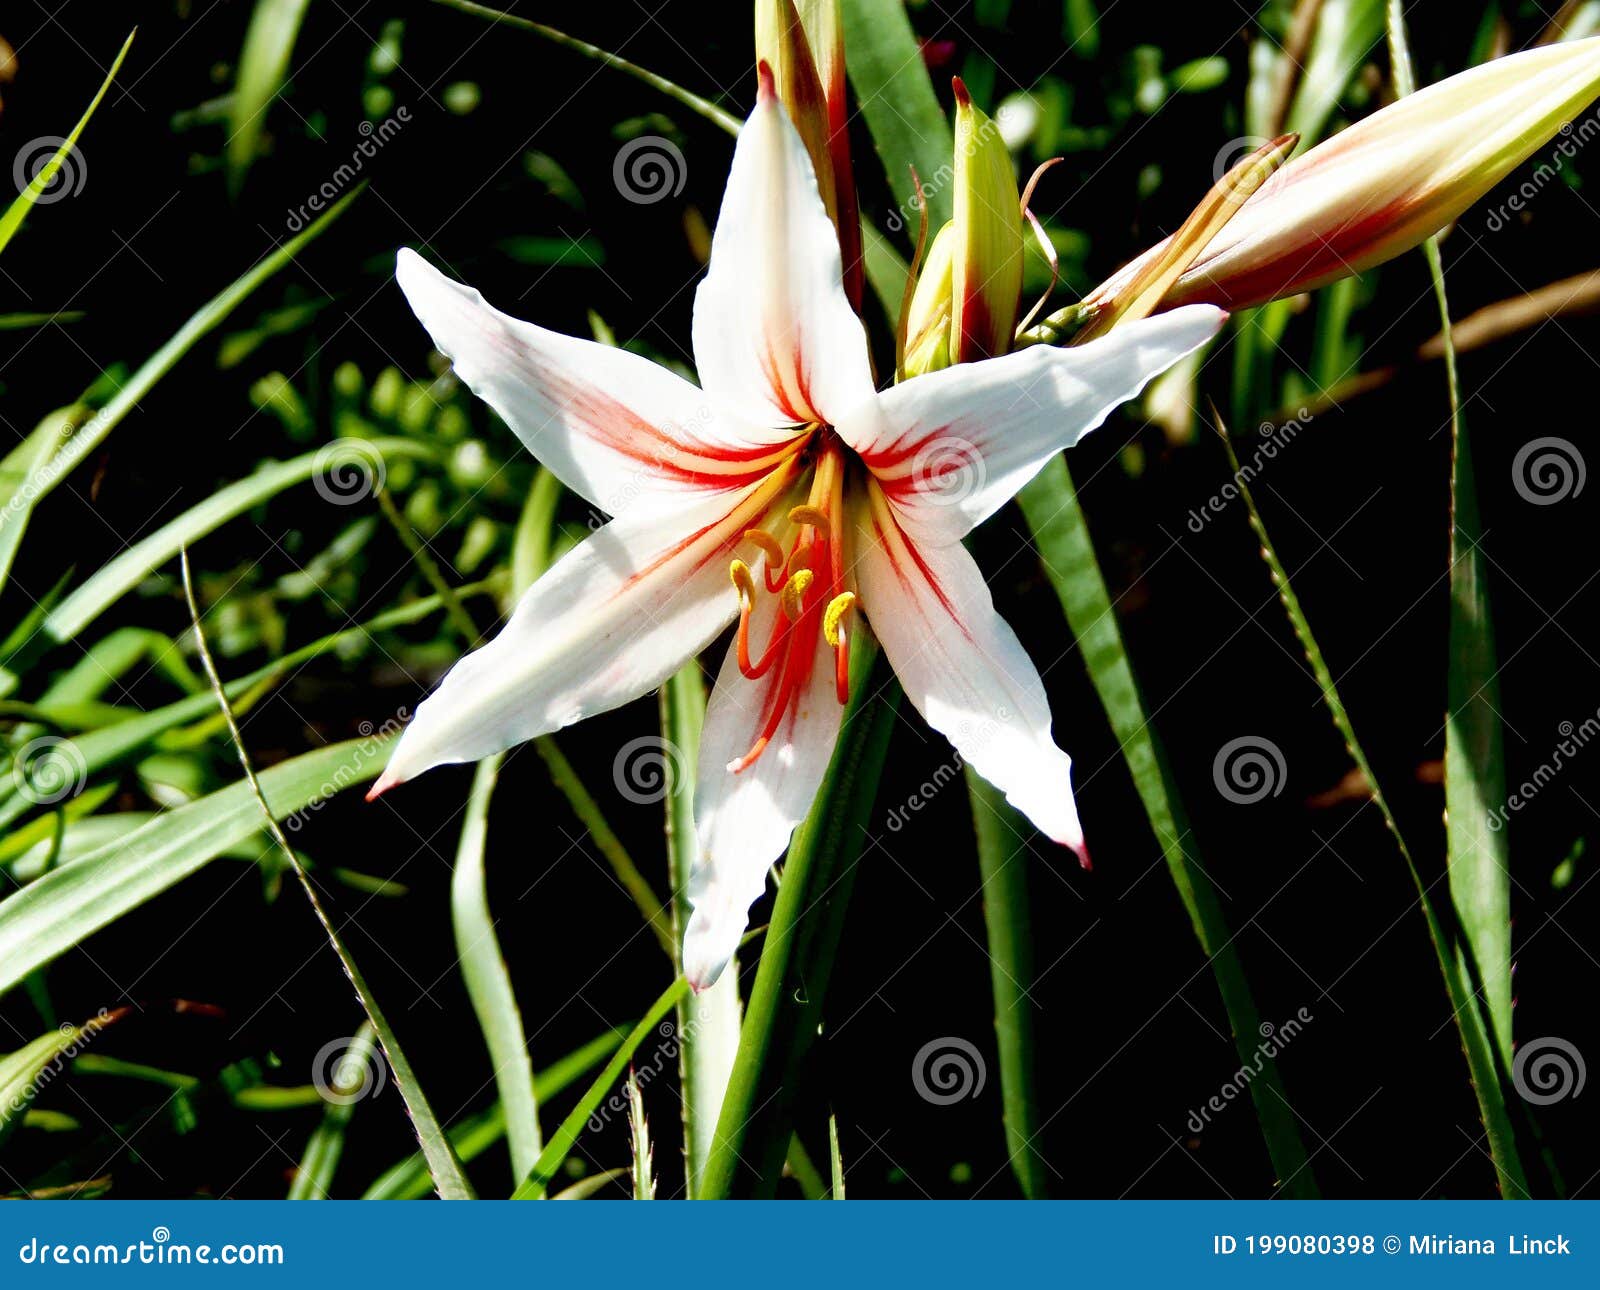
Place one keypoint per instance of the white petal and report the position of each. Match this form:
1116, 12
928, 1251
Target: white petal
744, 820
950, 448
774, 333
963, 668
612, 620
617, 429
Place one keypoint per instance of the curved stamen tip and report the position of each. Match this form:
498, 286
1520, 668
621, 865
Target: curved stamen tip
833, 617
768, 545
794, 592
739, 575
815, 516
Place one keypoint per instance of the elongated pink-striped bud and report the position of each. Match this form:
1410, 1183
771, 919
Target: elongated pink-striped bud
803, 42
1388, 182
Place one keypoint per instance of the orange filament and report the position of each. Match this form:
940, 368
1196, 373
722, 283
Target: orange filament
812, 598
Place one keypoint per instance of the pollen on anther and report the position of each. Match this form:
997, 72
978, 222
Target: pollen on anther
833, 617
769, 545
815, 516
794, 592
739, 574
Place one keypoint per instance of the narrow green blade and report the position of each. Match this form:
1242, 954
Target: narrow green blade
263, 65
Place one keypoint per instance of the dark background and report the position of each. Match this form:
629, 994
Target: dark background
1132, 1036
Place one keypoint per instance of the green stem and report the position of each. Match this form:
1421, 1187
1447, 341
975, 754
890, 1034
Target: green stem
1003, 863
785, 1007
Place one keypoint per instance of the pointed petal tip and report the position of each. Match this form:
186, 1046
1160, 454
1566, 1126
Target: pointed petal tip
959, 87
766, 84
386, 781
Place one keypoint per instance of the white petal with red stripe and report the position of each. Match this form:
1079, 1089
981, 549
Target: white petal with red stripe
774, 333
617, 429
744, 820
963, 668
952, 447
609, 622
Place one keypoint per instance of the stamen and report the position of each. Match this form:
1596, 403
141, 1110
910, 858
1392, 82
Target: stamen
770, 546
739, 574
794, 592
815, 516
833, 617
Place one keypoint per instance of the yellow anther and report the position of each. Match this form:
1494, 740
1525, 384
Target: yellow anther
770, 546
739, 574
794, 592
833, 616
815, 516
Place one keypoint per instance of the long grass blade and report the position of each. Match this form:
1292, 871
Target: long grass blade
1477, 856
488, 981
313, 1178
442, 1163
263, 65
18, 210
1050, 505
785, 1007
1002, 836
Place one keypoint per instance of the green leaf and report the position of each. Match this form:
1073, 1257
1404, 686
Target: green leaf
263, 65
534, 1186
313, 1179
1050, 504
17, 472
1002, 836
1478, 855
200, 324
63, 908
643, 1154
408, 1180
143, 558
18, 210
21, 1072
785, 1008
894, 94
488, 982
708, 1023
